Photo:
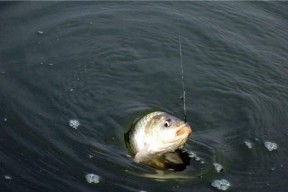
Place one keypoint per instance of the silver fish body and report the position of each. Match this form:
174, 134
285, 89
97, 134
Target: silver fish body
155, 136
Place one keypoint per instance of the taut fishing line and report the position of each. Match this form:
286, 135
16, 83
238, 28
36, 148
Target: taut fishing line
183, 83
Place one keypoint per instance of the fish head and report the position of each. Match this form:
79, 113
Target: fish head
168, 132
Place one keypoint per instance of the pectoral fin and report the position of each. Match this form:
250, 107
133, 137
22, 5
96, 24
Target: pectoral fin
173, 157
142, 155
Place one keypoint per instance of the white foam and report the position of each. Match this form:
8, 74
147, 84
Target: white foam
74, 123
271, 146
218, 167
222, 184
249, 144
40, 32
7, 177
92, 178
192, 154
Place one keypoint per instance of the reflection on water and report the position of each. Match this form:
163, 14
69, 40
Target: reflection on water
74, 75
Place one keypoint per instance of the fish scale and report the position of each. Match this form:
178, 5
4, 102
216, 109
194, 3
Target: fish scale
156, 134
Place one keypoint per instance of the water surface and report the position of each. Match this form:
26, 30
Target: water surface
106, 63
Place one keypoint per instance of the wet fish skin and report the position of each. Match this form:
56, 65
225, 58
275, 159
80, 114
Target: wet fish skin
156, 134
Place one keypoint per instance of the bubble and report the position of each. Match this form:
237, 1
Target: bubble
271, 145
92, 178
218, 167
222, 184
74, 123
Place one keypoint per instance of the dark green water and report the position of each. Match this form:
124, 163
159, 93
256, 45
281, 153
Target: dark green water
104, 64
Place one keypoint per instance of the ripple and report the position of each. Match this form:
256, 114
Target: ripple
104, 64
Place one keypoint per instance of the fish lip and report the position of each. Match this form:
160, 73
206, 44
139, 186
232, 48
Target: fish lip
185, 129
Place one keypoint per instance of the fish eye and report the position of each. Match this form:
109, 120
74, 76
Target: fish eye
167, 123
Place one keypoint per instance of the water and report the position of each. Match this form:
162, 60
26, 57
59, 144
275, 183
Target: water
104, 64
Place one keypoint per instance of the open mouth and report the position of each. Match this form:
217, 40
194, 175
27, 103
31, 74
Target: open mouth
184, 130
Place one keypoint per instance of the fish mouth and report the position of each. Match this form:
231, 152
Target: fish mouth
184, 130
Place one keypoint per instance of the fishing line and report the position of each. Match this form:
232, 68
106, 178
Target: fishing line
182, 75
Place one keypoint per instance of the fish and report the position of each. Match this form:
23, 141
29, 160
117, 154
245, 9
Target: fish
157, 139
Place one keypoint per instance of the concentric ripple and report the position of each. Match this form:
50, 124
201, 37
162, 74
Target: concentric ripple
100, 65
